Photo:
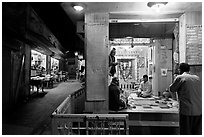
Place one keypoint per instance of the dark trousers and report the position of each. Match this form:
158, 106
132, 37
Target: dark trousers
190, 125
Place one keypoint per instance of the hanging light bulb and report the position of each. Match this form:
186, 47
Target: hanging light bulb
76, 53
78, 8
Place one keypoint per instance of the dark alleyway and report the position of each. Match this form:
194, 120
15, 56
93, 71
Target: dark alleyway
33, 117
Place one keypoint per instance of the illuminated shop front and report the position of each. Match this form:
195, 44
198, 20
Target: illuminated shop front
38, 63
54, 64
132, 55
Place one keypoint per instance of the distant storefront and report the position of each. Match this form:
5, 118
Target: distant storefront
38, 63
54, 63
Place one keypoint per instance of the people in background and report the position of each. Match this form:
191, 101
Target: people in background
115, 102
82, 71
78, 69
56, 70
112, 63
189, 91
145, 88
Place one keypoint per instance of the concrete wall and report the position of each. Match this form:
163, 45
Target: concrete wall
13, 32
96, 54
182, 38
162, 59
16, 73
6, 79
27, 51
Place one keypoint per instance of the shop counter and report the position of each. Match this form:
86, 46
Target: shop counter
149, 116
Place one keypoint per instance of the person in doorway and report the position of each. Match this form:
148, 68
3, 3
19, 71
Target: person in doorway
82, 71
112, 63
115, 102
189, 91
80, 68
78, 71
145, 88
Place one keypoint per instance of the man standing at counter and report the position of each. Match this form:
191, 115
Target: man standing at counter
145, 88
189, 91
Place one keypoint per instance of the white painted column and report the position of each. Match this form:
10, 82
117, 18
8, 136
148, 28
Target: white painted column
182, 39
96, 52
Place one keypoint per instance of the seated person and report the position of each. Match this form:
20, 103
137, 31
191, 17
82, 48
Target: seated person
145, 88
115, 102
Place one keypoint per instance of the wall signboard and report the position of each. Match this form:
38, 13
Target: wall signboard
194, 44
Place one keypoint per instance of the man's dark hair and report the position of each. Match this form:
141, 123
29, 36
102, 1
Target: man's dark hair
145, 76
113, 50
115, 79
184, 67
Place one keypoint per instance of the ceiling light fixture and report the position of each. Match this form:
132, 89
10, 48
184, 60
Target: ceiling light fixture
128, 37
78, 7
76, 53
156, 5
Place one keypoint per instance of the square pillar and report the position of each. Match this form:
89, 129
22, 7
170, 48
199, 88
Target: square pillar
96, 55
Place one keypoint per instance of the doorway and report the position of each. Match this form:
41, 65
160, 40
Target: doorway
157, 59
132, 61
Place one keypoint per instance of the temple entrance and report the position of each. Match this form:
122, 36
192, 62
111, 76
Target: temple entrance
133, 61
127, 72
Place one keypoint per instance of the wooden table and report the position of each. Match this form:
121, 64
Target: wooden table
49, 81
147, 117
38, 82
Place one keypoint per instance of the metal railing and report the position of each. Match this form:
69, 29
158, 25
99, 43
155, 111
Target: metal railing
89, 124
73, 104
67, 120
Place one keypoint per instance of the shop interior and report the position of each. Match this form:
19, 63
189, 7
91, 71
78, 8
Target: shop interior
137, 45
38, 63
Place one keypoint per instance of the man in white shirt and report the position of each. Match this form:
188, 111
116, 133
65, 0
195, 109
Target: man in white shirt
145, 88
189, 89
